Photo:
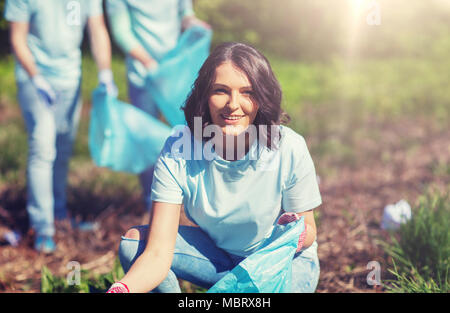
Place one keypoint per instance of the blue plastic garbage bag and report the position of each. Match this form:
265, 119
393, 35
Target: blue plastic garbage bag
269, 269
123, 137
171, 82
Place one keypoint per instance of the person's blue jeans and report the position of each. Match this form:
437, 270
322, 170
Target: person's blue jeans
198, 260
51, 133
141, 98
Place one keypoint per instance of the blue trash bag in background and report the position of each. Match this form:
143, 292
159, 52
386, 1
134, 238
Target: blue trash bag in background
269, 269
171, 82
123, 137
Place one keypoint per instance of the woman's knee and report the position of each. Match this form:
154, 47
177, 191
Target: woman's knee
131, 246
132, 233
137, 233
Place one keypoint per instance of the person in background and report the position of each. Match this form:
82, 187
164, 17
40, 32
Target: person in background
46, 37
146, 31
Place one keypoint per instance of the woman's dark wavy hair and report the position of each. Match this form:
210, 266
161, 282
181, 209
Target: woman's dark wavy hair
266, 88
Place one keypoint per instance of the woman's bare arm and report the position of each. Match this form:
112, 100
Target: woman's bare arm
153, 265
100, 43
311, 230
18, 38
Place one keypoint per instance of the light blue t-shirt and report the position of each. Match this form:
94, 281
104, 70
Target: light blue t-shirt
238, 202
154, 24
55, 35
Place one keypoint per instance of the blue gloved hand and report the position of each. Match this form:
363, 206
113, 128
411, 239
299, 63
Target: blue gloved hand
105, 78
44, 89
152, 68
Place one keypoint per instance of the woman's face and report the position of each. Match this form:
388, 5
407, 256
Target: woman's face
231, 104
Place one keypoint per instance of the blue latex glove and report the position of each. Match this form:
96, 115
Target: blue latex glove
152, 68
105, 78
44, 89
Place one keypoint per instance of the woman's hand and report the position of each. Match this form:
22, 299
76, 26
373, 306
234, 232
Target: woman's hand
152, 266
18, 36
308, 235
44, 89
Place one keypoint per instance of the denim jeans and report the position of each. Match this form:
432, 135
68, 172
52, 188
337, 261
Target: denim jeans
198, 260
141, 98
51, 133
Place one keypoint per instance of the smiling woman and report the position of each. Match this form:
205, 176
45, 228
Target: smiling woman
236, 88
231, 106
236, 201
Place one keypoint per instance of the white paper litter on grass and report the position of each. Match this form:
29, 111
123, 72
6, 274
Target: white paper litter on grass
396, 214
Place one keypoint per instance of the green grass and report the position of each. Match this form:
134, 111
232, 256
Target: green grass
93, 283
7, 82
338, 93
337, 102
13, 152
88, 282
421, 254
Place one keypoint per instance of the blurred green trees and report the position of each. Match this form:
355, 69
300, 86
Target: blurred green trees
289, 28
318, 29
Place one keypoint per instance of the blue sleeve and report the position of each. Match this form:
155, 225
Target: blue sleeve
95, 8
185, 8
301, 192
167, 173
17, 10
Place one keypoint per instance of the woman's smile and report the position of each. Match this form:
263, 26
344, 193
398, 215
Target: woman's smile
231, 119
